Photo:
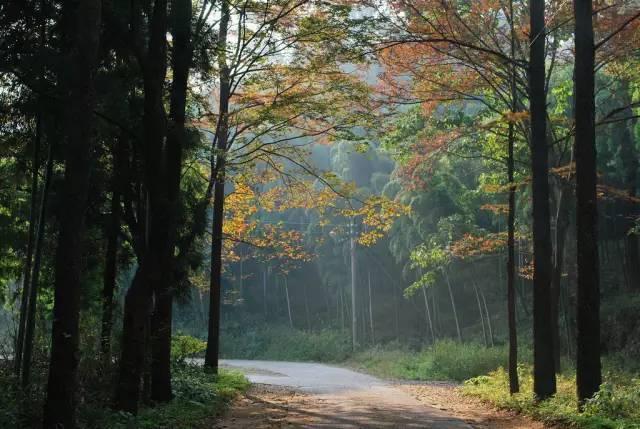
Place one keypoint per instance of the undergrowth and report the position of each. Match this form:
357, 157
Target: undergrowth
445, 360
615, 406
199, 398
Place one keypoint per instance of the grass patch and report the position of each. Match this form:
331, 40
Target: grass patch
445, 360
199, 397
614, 407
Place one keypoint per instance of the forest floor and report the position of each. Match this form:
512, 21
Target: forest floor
287, 394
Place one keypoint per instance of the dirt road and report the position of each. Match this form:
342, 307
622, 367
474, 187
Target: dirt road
291, 394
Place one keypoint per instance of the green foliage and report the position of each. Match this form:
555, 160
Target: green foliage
429, 259
186, 346
199, 397
445, 360
615, 406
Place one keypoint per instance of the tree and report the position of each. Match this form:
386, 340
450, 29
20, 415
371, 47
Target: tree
588, 367
81, 31
543, 357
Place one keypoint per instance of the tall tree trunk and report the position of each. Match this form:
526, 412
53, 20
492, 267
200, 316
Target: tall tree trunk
81, 32
264, 293
222, 135
453, 305
481, 311
112, 232
588, 367
181, 11
35, 276
488, 316
152, 269
26, 275
428, 314
137, 305
514, 383
354, 313
544, 379
371, 327
306, 305
286, 294
562, 224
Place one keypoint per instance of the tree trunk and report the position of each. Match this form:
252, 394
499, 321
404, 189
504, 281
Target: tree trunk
453, 306
264, 293
306, 305
35, 276
371, 327
544, 380
137, 304
286, 293
481, 311
111, 260
222, 136
562, 223
153, 266
427, 313
354, 313
81, 32
514, 383
26, 275
588, 367
181, 11
488, 316
160, 339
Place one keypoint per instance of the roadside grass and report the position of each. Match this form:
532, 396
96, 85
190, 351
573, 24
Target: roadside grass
199, 398
616, 406
444, 360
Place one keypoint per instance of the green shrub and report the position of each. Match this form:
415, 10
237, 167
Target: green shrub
445, 360
454, 361
185, 346
615, 406
199, 397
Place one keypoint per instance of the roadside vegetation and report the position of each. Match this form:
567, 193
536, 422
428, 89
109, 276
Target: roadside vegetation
198, 398
615, 406
480, 370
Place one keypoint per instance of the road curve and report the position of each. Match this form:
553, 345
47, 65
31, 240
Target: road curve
340, 398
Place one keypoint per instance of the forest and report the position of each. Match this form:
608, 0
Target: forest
419, 190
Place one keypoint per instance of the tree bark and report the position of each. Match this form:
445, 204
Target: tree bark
222, 135
152, 269
35, 276
181, 11
81, 32
26, 275
354, 313
371, 326
588, 367
112, 232
453, 306
544, 380
481, 311
514, 383
488, 316
562, 224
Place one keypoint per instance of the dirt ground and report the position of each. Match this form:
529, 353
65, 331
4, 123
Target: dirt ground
440, 406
